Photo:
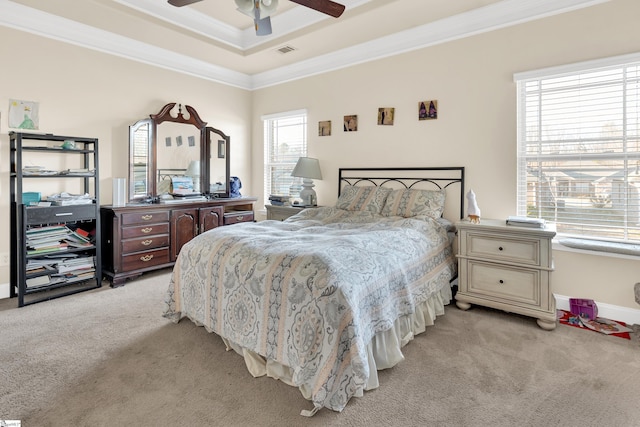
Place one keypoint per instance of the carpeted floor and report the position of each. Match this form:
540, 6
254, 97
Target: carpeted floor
107, 357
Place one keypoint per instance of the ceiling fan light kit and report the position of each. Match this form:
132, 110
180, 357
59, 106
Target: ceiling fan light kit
261, 10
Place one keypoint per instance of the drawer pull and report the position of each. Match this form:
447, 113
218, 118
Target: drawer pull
501, 281
147, 242
240, 217
146, 258
146, 217
64, 214
500, 248
147, 230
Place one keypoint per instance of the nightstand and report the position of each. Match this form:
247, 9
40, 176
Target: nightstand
280, 213
508, 268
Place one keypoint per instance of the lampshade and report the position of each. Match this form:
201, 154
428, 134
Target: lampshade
307, 167
193, 170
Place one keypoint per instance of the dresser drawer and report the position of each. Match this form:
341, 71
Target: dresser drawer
503, 248
145, 243
144, 217
145, 259
237, 217
145, 230
509, 284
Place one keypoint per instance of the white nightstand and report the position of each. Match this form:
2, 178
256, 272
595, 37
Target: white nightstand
280, 213
507, 268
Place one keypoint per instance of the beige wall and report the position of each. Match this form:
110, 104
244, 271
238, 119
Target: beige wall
472, 79
87, 93
82, 92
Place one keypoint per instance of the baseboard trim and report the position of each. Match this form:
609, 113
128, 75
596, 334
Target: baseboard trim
613, 312
4, 290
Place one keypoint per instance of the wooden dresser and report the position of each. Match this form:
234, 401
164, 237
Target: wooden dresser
137, 238
508, 268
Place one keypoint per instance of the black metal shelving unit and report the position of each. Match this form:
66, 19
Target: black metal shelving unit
56, 265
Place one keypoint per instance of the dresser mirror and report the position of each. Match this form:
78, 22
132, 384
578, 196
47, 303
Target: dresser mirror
174, 144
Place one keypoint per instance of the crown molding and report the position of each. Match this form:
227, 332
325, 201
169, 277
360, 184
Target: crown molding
497, 15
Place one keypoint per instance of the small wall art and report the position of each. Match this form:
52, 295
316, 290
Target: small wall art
324, 128
179, 140
167, 141
351, 123
24, 114
221, 148
192, 141
428, 110
385, 116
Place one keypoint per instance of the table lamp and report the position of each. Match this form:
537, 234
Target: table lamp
194, 172
308, 169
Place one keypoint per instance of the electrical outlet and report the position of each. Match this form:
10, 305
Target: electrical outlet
4, 259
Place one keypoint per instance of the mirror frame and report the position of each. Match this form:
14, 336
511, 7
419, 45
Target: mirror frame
164, 115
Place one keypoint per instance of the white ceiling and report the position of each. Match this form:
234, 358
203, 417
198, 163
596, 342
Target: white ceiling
212, 40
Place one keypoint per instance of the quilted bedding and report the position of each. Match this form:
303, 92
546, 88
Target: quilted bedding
311, 292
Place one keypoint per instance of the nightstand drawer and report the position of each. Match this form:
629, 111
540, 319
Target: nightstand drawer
513, 285
502, 248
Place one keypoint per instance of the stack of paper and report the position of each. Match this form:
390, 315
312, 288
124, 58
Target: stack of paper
523, 221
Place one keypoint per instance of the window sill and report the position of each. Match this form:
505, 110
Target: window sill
598, 248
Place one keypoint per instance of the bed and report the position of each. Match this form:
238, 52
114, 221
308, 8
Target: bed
326, 298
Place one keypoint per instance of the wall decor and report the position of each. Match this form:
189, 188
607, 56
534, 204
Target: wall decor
351, 123
428, 110
167, 141
179, 140
385, 116
324, 128
221, 148
24, 114
192, 141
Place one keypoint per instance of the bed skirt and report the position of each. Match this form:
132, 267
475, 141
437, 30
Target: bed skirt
384, 351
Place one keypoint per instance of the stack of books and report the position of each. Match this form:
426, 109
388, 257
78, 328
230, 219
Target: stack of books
277, 200
523, 221
55, 238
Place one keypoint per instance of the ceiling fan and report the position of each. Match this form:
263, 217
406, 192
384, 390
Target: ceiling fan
261, 10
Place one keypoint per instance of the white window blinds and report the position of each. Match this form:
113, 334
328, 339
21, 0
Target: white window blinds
285, 140
579, 149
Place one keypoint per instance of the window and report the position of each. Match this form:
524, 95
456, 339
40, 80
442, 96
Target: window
579, 148
285, 140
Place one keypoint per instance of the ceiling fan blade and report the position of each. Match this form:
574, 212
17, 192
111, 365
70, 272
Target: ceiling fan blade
180, 3
329, 7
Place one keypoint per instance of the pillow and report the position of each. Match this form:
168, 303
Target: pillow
409, 203
368, 198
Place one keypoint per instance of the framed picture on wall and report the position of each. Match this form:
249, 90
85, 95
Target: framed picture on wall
24, 114
324, 128
351, 123
192, 141
221, 148
385, 116
179, 140
428, 110
167, 141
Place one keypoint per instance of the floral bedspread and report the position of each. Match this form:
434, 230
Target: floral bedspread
310, 292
